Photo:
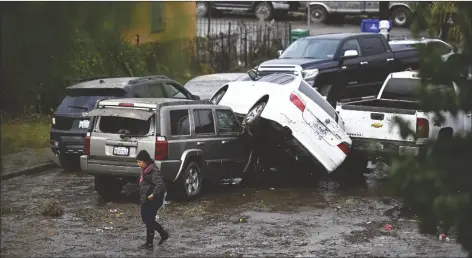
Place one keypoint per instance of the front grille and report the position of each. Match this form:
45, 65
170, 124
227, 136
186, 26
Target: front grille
63, 123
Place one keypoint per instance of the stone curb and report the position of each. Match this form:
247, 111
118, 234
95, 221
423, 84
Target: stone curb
29, 171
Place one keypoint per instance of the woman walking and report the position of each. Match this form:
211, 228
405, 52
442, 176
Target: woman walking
151, 194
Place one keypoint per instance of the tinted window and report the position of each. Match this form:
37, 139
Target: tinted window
352, 44
179, 122
121, 125
156, 90
172, 92
84, 100
372, 46
140, 92
227, 121
317, 98
440, 47
311, 48
204, 123
404, 89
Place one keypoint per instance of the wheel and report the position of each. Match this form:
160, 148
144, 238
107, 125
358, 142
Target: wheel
252, 119
318, 14
263, 11
202, 9
189, 184
401, 16
109, 188
69, 163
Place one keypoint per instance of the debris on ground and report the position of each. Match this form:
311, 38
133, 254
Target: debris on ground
108, 228
443, 237
53, 209
99, 230
388, 227
113, 210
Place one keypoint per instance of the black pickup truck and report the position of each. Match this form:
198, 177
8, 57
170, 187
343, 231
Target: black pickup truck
343, 65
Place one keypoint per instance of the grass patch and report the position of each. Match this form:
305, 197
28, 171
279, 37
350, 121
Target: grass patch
19, 134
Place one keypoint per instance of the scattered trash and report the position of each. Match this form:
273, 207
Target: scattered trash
337, 207
53, 209
242, 220
388, 227
443, 237
113, 210
99, 230
108, 228
369, 222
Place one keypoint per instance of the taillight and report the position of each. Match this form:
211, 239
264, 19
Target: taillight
297, 101
160, 152
422, 128
126, 105
87, 145
345, 147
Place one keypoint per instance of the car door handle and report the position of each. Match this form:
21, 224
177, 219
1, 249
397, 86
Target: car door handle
200, 143
364, 62
224, 142
390, 59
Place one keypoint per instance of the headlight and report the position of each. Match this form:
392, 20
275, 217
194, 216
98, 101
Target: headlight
309, 74
53, 120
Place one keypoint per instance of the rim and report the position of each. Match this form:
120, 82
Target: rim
192, 182
316, 15
263, 12
254, 113
201, 9
400, 18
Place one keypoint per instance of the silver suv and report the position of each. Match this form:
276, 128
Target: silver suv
191, 141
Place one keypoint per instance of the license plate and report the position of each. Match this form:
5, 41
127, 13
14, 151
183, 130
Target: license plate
84, 124
121, 151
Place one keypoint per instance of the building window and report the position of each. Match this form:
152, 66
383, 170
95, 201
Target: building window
157, 17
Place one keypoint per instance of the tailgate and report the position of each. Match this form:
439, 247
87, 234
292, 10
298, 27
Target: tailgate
376, 122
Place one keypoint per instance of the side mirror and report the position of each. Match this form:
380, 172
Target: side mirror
253, 74
279, 53
350, 53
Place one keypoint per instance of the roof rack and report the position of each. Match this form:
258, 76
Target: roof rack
148, 78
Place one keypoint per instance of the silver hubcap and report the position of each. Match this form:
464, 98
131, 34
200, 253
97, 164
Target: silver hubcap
254, 113
201, 9
263, 12
192, 182
316, 15
400, 18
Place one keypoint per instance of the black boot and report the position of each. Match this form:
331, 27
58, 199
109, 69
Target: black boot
149, 239
162, 232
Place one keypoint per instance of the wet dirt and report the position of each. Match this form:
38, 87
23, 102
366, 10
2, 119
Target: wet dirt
228, 221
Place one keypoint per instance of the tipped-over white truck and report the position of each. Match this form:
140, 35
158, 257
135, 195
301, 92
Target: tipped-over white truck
371, 123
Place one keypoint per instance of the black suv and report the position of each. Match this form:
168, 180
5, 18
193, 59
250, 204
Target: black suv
70, 121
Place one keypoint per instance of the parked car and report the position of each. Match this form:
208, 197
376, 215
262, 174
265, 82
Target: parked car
262, 10
205, 86
372, 127
192, 142
401, 12
70, 120
443, 48
342, 65
285, 114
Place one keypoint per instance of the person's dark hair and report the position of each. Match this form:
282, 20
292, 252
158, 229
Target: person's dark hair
144, 156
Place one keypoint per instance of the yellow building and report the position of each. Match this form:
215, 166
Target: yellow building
162, 21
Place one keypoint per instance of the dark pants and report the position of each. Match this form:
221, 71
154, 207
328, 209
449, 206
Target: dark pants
148, 215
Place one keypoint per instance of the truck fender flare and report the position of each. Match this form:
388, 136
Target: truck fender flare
320, 4
395, 5
186, 155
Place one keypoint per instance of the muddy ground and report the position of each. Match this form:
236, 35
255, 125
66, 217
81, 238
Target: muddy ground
231, 220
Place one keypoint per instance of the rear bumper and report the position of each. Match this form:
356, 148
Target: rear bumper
64, 142
389, 148
169, 169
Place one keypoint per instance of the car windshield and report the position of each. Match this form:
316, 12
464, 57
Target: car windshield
405, 89
83, 100
311, 48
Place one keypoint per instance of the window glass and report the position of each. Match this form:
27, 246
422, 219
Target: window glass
122, 125
317, 98
141, 92
372, 46
440, 47
157, 90
352, 44
227, 121
179, 122
404, 89
204, 123
173, 92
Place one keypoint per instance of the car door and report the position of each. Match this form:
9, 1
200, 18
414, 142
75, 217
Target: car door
207, 141
375, 64
350, 67
232, 145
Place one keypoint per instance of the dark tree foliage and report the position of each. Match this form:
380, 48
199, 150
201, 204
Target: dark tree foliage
438, 188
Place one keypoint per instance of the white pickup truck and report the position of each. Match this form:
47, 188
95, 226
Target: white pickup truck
374, 132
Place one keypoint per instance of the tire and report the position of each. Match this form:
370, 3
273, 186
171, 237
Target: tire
189, 184
109, 188
252, 120
202, 9
352, 170
69, 163
263, 11
401, 16
318, 14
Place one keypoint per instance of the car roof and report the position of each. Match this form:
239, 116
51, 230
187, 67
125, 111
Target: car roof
339, 35
115, 82
154, 101
216, 77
